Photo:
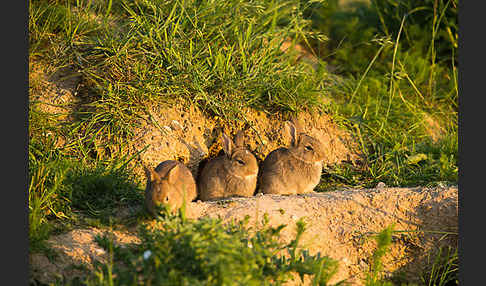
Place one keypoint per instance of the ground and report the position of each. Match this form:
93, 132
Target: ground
339, 225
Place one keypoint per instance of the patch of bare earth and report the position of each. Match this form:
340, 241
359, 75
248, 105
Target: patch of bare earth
183, 132
75, 254
339, 225
53, 90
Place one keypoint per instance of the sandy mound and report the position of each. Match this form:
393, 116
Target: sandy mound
339, 225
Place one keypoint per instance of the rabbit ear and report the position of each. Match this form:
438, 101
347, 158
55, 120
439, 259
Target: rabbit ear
148, 172
292, 131
173, 174
227, 145
240, 138
152, 175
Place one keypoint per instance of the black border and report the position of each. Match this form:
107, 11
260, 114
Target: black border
15, 138
471, 123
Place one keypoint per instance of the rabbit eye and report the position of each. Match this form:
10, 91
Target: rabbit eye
240, 162
167, 199
308, 148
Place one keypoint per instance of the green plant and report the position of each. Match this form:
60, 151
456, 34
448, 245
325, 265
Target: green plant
374, 277
57, 187
395, 98
439, 16
357, 31
100, 190
59, 183
207, 252
444, 269
44, 203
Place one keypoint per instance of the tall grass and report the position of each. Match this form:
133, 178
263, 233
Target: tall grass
223, 55
444, 268
396, 96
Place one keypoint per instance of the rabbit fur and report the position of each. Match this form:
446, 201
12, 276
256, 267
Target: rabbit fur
168, 184
293, 170
232, 174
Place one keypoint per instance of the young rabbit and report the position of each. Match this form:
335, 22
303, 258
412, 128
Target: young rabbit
293, 170
231, 174
167, 185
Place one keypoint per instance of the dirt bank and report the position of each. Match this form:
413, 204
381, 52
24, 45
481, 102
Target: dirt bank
185, 133
339, 225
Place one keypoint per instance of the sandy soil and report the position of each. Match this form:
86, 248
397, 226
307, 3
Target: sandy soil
340, 225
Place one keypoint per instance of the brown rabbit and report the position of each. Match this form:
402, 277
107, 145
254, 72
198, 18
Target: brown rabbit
293, 170
168, 185
232, 174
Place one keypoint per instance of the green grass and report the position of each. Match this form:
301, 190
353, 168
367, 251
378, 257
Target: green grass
444, 270
443, 264
62, 182
61, 189
405, 124
394, 88
222, 55
374, 276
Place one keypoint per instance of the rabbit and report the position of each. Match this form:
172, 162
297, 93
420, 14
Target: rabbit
293, 170
168, 184
231, 174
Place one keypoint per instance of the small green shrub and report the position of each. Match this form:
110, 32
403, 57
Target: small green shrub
206, 252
